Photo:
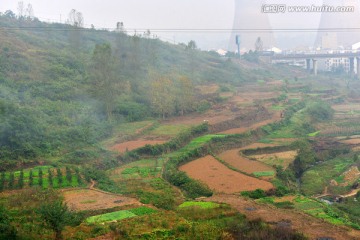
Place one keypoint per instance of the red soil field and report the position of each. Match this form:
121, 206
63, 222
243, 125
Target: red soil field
131, 145
89, 199
220, 178
244, 164
258, 145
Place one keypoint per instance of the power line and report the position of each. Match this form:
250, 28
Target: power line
187, 30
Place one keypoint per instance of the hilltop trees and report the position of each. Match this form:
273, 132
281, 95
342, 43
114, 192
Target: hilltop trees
76, 20
185, 95
162, 97
103, 77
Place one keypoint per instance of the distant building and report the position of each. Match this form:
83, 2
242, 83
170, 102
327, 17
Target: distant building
221, 52
250, 24
345, 22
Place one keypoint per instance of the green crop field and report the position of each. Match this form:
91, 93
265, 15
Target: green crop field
264, 174
315, 179
119, 215
204, 205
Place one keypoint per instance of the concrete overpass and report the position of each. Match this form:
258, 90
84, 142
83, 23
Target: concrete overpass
315, 56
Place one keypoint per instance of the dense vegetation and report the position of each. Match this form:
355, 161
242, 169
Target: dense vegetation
56, 97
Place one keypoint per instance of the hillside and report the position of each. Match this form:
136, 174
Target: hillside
109, 136
52, 101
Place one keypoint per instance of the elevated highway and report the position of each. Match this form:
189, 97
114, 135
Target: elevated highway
313, 57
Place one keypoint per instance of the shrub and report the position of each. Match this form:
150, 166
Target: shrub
258, 193
320, 111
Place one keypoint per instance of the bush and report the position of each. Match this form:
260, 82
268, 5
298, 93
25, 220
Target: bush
132, 111
257, 194
320, 111
203, 106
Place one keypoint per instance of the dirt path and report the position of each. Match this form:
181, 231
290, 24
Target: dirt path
312, 227
350, 194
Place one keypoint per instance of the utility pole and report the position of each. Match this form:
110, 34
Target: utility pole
238, 44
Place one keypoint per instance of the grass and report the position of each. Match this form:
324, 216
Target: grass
277, 107
315, 179
264, 174
120, 215
169, 130
266, 141
139, 169
108, 217
203, 205
314, 134
195, 143
88, 201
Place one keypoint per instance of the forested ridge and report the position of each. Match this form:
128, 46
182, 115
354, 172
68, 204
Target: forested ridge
64, 87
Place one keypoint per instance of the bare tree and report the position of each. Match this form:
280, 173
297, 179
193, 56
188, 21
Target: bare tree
75, 19
259, 44
21, 9
29, 12
120, 27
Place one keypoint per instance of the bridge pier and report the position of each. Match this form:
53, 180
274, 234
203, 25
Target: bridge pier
358, 67
308, 67
315, 67
352, 66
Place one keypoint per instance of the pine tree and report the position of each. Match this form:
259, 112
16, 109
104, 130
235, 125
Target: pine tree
78, 176
11, 180
21, 180
50, 177
40, 177
2, 181
31, 178
59, 176
68, 175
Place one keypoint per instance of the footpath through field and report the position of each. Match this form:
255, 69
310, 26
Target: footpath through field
312, 227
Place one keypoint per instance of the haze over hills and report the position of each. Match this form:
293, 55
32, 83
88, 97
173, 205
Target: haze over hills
109, 135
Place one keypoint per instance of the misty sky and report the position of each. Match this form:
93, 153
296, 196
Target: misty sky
166, 14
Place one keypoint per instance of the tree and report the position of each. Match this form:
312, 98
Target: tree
21, 10
21, 180
50, 177
78, 176
9, 14
320, 111
29, 12
76, 20
59, 177
120, 27
2, 181
103, 77
11, 180
258, 45
305, 157
31, 178
68, 175
185, 94
191, 45
56, 216
40, 177
162, 96
7, 231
